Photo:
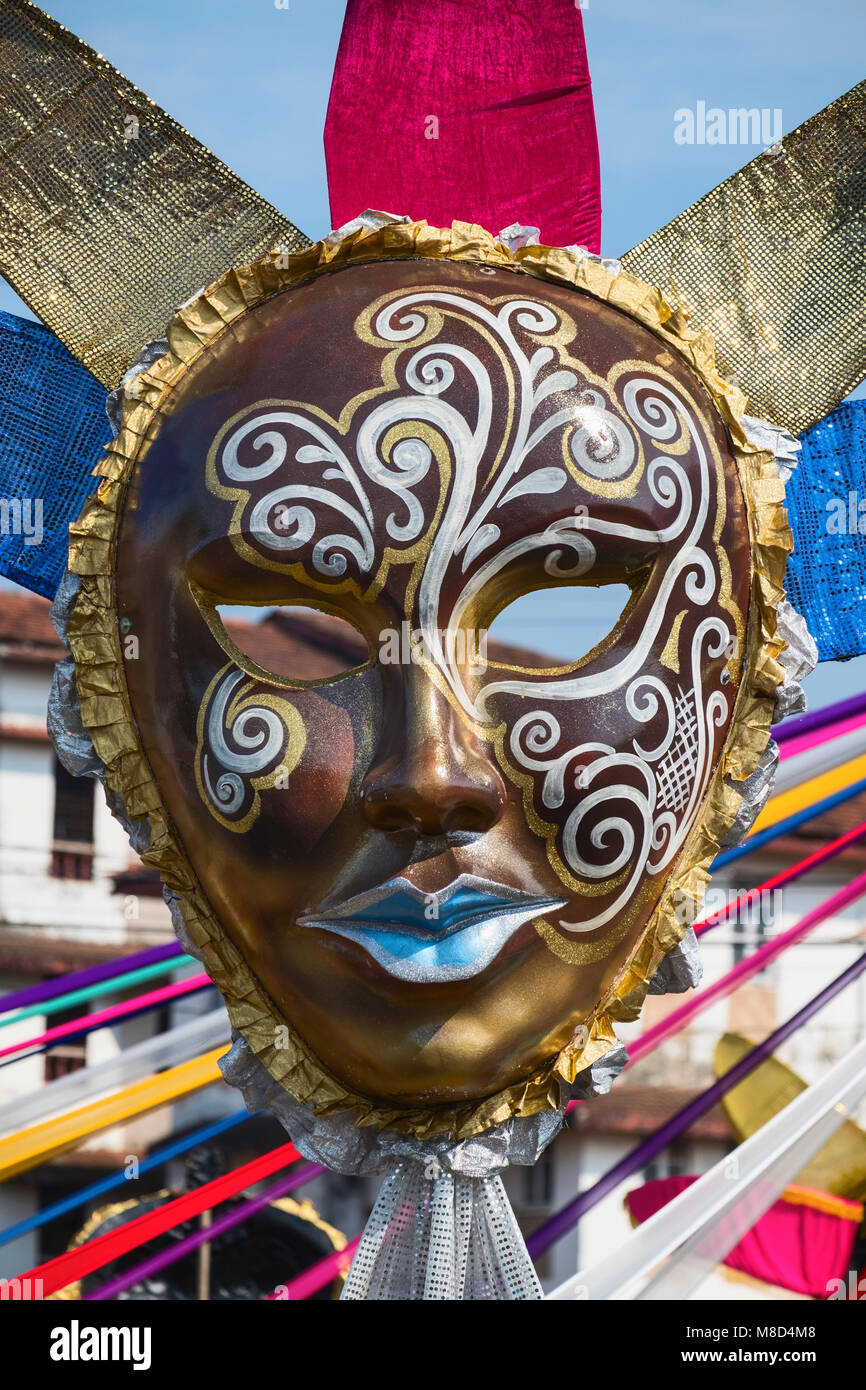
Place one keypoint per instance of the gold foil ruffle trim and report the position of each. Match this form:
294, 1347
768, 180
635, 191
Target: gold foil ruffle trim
106, 711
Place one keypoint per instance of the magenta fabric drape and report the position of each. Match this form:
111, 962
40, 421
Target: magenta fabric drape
473, 110
794, 1245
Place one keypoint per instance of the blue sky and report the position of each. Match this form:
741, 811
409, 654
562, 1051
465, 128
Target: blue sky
251, 81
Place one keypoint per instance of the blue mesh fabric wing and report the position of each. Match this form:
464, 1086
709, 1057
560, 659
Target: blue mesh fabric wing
826, 577
52, 429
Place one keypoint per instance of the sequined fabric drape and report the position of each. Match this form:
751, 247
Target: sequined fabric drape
441, 1237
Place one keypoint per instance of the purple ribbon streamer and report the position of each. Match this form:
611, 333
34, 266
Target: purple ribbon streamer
818, 718
93, 975
569, 1215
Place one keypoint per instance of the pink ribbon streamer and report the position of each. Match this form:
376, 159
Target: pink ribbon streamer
468, 110
804, 742
307, 1283
110, 1015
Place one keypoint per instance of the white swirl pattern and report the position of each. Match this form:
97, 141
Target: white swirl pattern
650, 795
241, 741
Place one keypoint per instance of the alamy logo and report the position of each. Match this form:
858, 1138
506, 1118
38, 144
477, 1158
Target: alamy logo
22, 516
750, 908
408, 645
77, 1343
846, 516
851, 1290
737, 126
20, 1290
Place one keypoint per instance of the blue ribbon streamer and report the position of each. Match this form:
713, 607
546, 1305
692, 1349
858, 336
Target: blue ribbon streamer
89, 1194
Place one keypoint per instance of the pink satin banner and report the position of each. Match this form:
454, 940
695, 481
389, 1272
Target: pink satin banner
803, 1243
469, 110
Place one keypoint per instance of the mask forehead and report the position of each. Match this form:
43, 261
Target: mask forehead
519, 402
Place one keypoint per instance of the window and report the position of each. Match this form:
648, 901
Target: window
72, 848
538, 1183
69, 1055
60, 1061
672, 1163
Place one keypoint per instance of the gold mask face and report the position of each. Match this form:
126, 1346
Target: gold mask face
430, 869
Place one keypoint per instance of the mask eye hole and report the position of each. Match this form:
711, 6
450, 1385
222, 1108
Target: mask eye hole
554, 628
291, 644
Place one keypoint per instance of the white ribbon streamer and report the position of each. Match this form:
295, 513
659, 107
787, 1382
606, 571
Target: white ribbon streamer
698, 1229
166, 1049
802, 767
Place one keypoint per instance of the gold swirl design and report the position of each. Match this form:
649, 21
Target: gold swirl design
247, 700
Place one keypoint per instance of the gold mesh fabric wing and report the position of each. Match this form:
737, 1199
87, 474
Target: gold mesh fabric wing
773, 263
111, 214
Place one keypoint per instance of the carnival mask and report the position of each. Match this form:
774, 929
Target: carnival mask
426, 882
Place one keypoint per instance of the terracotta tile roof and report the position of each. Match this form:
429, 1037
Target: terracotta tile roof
30, 951
831, 825
640, 1110
23, 733
26, 632
308, 647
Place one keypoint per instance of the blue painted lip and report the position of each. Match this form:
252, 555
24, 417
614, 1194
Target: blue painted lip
429, 937
434, 918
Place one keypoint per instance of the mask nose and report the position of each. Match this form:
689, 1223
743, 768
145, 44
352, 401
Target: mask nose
431, 773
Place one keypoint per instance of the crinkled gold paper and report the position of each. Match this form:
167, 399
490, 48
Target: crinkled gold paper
839, 1166
107, 714
772, 263
111, 214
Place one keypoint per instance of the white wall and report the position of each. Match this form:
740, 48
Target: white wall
29, 896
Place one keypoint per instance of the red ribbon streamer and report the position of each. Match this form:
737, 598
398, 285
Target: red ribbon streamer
75, 1264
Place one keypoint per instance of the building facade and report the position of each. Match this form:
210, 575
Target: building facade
72, 894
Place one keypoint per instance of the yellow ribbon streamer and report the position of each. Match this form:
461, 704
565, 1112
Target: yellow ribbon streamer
37, 1144
808, 793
